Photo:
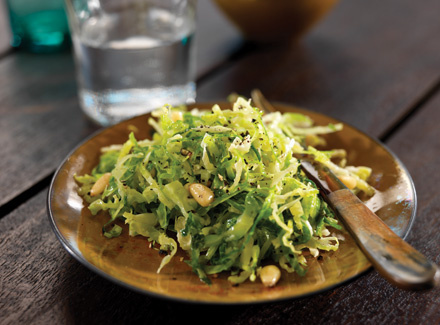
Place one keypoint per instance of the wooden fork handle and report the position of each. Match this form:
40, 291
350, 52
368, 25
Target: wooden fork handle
395, 260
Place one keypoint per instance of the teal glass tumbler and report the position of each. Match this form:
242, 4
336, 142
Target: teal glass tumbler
39, 26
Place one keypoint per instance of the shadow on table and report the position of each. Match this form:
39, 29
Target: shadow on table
96, 300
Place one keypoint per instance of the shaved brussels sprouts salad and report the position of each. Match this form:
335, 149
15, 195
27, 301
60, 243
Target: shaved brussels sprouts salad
222, 185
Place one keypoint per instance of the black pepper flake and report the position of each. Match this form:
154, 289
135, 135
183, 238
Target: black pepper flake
163, 252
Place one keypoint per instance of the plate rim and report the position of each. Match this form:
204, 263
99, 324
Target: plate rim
66, 245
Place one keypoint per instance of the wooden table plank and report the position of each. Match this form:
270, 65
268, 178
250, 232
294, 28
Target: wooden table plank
40, 282
216, 38
40, 118
5, 30
366, 64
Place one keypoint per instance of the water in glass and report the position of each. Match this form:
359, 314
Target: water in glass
123, 74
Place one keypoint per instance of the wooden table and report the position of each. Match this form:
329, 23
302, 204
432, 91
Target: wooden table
373, 64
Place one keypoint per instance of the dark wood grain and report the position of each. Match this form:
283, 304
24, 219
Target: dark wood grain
41, 283
366, 64
5, 31
40, 119
216, 38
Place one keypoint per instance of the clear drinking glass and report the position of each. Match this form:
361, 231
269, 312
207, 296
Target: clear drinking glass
132, 56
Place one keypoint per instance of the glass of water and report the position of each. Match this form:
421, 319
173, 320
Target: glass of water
132, 56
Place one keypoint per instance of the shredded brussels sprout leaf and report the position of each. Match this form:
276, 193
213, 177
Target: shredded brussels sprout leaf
264, 207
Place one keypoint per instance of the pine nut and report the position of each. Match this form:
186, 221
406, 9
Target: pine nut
269, 275
176, 116
100, 184
348, 181
202, 194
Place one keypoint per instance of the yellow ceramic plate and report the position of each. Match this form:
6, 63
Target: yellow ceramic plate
129, 261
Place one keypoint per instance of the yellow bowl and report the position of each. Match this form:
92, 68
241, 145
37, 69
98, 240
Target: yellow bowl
270, 21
